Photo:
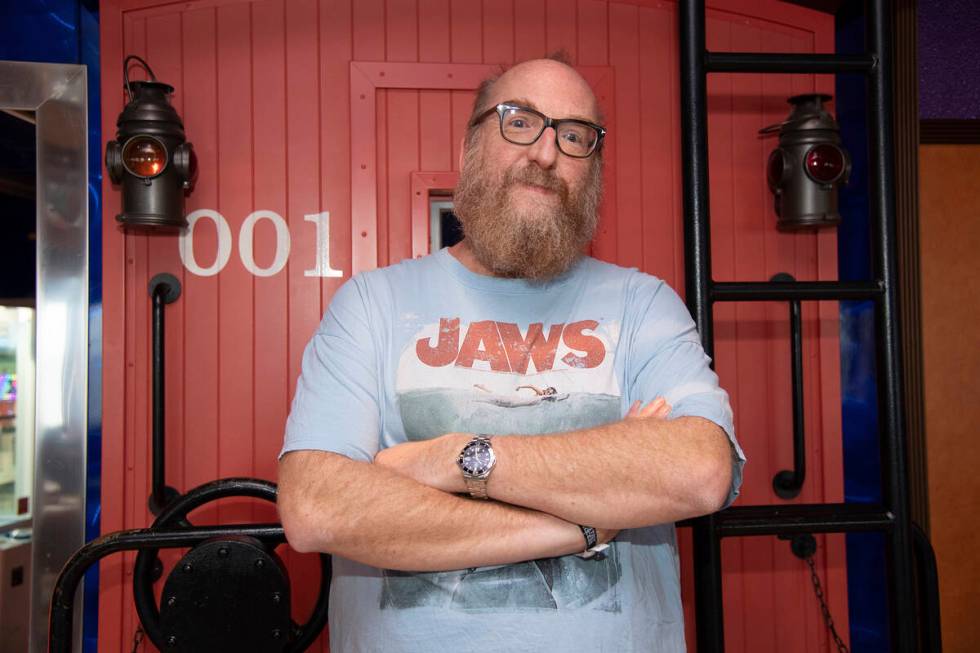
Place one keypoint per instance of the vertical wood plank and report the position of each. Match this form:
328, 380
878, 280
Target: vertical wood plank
529, 32
111, 577
466, 31
593, 33
603, 244
462, 107
403, 160
235, 283
751, 410
137, 413
654, 231
366, 226
561, 31
336, 50
498, 32
303, 191
624, 56
303, 173
368, 25
201, 293
163, 49
401, 30
270, 308
780, 257
434, 30
435, 131
381, 191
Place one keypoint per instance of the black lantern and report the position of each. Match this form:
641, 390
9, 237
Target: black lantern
809, 165
150, 157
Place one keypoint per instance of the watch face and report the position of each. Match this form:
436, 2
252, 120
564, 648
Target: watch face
477, 459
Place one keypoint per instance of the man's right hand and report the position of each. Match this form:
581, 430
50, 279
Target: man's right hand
656, 408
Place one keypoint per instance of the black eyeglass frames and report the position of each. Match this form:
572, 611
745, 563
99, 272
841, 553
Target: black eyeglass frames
524, 126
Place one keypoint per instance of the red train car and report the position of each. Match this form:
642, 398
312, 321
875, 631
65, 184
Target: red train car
326, 130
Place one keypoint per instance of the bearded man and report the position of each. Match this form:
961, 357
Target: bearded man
480, 437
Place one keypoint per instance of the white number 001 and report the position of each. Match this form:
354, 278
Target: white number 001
246, 236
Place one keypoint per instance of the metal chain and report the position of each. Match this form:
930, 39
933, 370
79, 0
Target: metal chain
137, 638
818, 590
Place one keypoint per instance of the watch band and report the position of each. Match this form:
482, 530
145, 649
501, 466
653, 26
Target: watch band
477, 487
590, 536
593, 550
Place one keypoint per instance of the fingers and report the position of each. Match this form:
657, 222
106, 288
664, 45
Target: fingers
656, 408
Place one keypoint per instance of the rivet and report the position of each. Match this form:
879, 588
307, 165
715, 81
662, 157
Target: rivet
276, 633
223, 551
382, 73
276, 598
363, 234
187, 568
259, 563
172, 601
363, 166
171, 641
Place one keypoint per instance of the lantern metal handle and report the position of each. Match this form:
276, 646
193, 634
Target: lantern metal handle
146, 67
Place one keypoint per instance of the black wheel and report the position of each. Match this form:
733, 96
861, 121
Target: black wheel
174, 515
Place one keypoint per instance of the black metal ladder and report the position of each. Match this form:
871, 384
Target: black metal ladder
892, 516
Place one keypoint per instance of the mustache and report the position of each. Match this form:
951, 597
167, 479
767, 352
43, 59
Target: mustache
534, 175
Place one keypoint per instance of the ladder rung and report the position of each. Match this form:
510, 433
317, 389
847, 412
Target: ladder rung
761, 291
754, 62
802, 518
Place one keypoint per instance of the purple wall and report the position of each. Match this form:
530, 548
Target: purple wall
949, 59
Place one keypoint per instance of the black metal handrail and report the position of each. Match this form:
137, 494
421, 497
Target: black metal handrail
757, 62
787, 483
766, 291
164, 289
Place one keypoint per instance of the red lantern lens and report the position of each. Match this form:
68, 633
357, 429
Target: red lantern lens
825, 163
144, 156
775, 167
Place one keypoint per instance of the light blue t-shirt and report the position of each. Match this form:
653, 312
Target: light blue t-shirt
427, 347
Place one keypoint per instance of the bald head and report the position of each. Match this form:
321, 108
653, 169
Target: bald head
547, 85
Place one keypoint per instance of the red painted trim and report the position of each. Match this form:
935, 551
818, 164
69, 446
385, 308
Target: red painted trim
423, 183
111, 570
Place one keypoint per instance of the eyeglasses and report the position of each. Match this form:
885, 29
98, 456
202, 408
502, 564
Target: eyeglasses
523, 126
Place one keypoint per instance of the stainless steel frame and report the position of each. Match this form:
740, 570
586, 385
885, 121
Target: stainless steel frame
57, 95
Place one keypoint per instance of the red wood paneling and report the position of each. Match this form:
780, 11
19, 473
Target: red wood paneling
302, 107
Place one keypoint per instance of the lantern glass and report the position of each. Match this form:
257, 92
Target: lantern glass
144, 156
825, 163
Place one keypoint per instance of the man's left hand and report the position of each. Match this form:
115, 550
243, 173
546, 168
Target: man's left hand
429, 462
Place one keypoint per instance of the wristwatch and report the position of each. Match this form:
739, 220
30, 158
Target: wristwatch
476, 461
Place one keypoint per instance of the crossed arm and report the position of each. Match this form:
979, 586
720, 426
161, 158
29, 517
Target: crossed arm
627, 474
401, 512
